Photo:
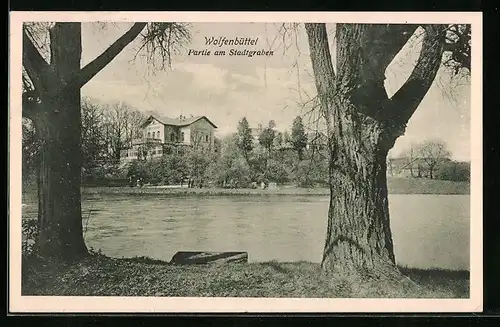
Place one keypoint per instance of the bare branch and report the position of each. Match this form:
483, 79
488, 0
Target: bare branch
406, 100
161, 40
96, 65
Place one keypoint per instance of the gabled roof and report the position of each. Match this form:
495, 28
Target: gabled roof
177, 121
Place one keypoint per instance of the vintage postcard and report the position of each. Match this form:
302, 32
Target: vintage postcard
245, 162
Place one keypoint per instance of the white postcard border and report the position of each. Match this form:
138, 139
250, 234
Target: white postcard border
57, 304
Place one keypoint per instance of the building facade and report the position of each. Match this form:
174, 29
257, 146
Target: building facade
163, 135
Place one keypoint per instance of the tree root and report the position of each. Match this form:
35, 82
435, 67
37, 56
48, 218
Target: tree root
379, 278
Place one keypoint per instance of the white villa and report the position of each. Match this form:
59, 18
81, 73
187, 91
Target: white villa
161, 135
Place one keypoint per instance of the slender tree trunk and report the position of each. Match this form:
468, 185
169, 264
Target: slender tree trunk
411, 162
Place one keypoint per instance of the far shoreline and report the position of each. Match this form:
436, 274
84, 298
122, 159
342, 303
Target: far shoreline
396, 185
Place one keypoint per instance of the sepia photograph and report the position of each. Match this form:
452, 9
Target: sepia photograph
245, 162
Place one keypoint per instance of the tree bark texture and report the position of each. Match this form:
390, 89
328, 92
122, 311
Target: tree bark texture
361, 129
54, 106
59, 197
58, 126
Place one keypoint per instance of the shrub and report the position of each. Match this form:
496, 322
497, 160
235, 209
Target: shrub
454, 171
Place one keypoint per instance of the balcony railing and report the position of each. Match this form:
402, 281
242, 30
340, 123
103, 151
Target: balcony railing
145, 140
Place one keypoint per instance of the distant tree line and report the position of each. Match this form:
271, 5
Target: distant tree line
271, 155
431, 159
245, 158
105, 130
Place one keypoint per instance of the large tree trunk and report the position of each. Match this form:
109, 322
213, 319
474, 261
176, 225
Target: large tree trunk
59, 197
358, 236
361, 132
363, 125
59, 129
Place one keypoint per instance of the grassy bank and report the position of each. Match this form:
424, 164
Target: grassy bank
400, 185
103, 276
395, 186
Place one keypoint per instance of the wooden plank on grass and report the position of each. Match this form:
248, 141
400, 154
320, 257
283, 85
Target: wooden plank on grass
195, 258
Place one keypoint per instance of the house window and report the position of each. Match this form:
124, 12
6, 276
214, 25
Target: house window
172, 137
206, 138
182, 137
149, 135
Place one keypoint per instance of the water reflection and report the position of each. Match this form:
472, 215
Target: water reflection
428, 230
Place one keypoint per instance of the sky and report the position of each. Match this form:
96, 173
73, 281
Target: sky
261, 88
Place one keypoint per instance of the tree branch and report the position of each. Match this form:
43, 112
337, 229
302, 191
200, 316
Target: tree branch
161, 40
363, 53
36, 67
406, 100
95, 66
365, 50
321, 60
382, 42
324, 74
458, 39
